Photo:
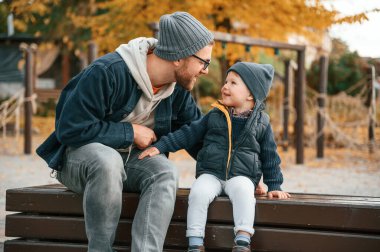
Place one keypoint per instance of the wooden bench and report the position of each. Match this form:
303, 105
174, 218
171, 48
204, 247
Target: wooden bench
50, 218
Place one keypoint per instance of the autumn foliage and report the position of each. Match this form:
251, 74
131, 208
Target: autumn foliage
110, 23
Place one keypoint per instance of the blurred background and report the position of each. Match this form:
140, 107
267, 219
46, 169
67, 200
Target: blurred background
44, 43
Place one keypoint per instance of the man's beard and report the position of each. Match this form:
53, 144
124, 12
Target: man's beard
184, 79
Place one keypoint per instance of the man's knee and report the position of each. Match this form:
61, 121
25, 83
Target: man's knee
165, 171
104, 161
171, 173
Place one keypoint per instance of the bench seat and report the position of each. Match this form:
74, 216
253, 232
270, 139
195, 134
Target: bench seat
50, 218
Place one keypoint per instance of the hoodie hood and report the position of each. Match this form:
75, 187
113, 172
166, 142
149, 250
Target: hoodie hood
134, 55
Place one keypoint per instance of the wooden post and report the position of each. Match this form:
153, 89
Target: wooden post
65, 69
372, 110
4, 121
83, 60
223, 61
29, 79
299, 106
92, 51
285, 137
323, 73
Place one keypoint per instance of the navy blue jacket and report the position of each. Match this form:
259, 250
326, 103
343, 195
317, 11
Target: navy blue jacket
252, 155
94, 102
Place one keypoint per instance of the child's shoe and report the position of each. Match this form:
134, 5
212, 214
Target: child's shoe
241, 246
196, 249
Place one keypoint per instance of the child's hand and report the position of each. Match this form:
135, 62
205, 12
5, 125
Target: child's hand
278, 194
260, 189
150, 152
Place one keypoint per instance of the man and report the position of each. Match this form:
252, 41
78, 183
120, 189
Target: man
117, 106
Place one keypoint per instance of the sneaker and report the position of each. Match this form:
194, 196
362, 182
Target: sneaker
196, 249
241, 246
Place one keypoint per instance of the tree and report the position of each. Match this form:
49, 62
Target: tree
113, 22
54, 20
345, 69
268, 19
4, 10
71, 24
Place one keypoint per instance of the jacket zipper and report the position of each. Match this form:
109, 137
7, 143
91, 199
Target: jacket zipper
223, 109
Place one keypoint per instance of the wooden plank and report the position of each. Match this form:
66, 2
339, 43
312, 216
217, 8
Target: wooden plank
220, 236
358, 214
44, 95
57, 201
276, 239
22, 245
73, 229
246, 40
59, 188
241, 39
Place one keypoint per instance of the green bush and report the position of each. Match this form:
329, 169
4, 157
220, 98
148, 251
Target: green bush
344, 71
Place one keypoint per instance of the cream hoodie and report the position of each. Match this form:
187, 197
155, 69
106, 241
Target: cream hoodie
135, 56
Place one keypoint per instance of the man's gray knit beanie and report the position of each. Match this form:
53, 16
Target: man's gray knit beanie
257, 77
181, 35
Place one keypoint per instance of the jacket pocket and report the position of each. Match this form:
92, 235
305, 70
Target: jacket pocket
244, 164
212, 159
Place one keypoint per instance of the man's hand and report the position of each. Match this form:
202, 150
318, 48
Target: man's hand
150, 152
143, 136
278, 194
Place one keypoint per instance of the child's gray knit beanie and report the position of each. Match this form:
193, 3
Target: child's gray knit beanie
257, 77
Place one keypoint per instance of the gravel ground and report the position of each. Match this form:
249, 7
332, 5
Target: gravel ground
28, 170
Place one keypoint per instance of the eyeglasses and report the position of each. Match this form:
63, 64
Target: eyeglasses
205, 62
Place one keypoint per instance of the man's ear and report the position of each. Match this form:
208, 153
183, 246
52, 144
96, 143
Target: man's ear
250, 98
177, 63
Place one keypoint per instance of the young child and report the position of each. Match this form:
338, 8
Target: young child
238, 147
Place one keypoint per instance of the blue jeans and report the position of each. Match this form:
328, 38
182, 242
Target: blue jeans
101, 173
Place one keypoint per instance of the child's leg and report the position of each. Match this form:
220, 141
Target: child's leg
241, 193
203, 192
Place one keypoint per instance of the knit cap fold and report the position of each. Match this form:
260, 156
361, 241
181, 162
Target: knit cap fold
257, 77
180, 36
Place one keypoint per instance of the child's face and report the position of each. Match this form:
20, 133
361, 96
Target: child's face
236, 94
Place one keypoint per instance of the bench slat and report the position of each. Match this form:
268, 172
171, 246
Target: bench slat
266, 238
309, 211
73, 229
61, 189
22, 245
